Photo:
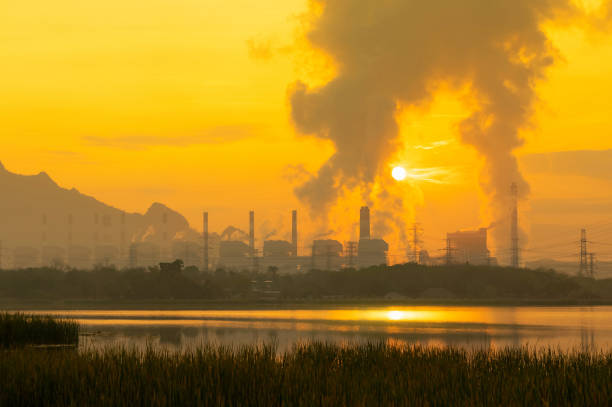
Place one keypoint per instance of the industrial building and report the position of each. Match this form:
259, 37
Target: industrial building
468, 246
283, 254
327, 254
235, 255
277, 249
280, 254
370, 252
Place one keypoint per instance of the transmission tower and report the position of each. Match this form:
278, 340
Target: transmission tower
416, 242
514, 226
583, 253
449, 251
591, 265
351, 250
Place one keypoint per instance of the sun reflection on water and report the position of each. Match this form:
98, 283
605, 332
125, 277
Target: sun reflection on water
395, 315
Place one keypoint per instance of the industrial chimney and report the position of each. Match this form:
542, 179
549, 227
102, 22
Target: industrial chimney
205, 234
364, 223
294, 232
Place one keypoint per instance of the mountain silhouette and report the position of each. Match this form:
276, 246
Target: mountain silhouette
35, 212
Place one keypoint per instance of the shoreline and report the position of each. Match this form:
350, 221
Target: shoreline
19, 304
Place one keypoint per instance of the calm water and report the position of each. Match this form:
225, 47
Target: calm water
564, 327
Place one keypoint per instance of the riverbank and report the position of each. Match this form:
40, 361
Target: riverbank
309, 374
267, 304
399, 284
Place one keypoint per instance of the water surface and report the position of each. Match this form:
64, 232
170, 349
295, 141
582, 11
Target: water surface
567, 328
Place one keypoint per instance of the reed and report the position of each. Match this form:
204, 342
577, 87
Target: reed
309, 374
18, 329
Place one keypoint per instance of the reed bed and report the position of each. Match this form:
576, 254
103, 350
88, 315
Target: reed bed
313, 374
18, 329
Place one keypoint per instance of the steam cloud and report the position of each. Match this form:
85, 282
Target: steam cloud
394, 53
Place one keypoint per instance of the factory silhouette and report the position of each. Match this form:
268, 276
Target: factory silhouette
325, 254
45, 225
328, 254
236, 250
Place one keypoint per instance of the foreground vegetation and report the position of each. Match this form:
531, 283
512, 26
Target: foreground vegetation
310, 374
407, 281
22, 329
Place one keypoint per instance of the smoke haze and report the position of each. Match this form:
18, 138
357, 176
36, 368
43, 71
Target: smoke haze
394, 54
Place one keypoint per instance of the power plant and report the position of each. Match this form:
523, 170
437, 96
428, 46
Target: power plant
469, 247
234, 249
106, 238
370, 252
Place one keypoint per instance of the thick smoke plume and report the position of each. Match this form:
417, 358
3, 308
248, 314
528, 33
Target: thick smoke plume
392, 54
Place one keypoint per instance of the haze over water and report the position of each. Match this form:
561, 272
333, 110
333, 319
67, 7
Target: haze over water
568, 328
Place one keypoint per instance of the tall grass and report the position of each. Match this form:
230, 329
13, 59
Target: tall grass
22, 329
314, 374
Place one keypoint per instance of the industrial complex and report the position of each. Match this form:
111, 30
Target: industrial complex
112, 238
236, 251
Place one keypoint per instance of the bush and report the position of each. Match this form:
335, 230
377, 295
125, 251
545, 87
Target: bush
22, 329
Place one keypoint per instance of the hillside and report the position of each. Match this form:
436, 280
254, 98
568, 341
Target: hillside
36, 212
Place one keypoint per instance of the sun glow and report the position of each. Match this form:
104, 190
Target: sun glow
395, 315
399, 173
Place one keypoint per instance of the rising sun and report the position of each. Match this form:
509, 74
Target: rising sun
399, 173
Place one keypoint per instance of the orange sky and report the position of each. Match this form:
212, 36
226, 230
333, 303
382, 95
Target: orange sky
185, 102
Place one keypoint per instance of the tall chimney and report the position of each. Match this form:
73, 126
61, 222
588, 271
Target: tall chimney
294, 233
364, 223
205, 234
252, 233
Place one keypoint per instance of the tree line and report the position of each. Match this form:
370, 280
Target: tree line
407, 281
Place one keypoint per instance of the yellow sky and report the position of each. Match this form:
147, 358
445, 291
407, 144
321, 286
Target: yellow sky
162, 100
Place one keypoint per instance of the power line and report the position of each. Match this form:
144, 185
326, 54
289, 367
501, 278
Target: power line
583, 252
416, 242
351, 249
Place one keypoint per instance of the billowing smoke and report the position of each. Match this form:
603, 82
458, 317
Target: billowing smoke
393, 54
234, 233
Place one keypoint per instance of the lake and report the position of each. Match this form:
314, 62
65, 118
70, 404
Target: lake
587, 328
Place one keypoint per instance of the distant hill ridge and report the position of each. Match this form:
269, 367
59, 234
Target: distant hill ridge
35, 211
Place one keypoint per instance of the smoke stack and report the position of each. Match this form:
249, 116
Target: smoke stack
252, 233
205, 234
364, 223
294, 232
